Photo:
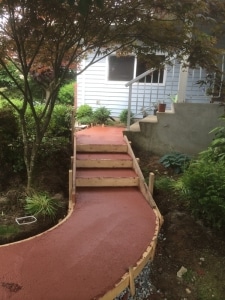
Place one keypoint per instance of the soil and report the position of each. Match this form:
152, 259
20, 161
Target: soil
12, 199
14, 227
183, 244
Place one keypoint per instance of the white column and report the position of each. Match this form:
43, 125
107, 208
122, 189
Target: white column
183, 78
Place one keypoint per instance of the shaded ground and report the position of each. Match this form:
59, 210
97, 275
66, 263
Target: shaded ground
11, 231
51, 178
184, 242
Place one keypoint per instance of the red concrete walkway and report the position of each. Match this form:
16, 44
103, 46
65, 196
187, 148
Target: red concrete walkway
85, 256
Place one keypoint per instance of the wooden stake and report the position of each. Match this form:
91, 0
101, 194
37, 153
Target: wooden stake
132, 284
70, 184
151, 182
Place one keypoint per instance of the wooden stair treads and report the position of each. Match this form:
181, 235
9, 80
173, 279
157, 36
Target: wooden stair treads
106, 177
103, 160
104, 148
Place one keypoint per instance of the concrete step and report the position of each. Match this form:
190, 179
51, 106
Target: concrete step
90, 177
149, 119
103, 160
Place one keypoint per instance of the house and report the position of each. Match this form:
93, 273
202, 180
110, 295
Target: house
120, 83
115, 81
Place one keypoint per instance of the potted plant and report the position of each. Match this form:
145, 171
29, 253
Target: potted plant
161, 106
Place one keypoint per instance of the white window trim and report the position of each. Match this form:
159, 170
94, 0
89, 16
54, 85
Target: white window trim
134, 75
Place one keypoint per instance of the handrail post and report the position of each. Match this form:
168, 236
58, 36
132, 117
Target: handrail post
129, 107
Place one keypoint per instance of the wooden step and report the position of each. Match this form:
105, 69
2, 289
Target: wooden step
120, 148
103, 160
106, 177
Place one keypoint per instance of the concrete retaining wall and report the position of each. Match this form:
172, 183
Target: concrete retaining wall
185, 129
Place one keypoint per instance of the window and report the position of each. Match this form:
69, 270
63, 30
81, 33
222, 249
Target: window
123, 68
154, 77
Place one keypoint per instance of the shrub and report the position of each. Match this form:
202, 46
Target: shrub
101, 115
66, 94
216, 150
163, 183
203, 184
11, 146
123, 117
11, 149
43, 205
84, 114
60, 123
177, 161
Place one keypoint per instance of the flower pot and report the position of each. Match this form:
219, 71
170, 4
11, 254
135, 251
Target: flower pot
161, 107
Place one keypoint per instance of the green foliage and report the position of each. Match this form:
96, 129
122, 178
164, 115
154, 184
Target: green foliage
43, 205
163, 183
60, 123
11, 150
11, 145
7, 83
216, 150
101, 115
203, 184
66, 94
177, 161
123, 117
84, 114
49, 54
7, 230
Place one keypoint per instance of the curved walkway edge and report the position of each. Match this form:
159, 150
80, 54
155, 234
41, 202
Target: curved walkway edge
103, 244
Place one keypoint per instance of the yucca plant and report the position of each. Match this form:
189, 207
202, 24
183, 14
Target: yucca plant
101, 115
43, 205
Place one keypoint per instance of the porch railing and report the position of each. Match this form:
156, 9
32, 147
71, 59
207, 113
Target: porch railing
130, 85
179, 83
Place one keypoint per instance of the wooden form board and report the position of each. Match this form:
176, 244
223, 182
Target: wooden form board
128, 278
142, 184
102, 148
104, 163
112, 182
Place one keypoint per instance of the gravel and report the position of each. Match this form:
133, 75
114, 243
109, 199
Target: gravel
144, 288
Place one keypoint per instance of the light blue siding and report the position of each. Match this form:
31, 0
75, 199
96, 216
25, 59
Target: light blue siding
94, 89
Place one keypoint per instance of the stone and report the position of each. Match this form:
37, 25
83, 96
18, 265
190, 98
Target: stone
181, 272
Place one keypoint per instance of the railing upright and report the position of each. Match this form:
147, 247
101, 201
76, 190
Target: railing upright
130, 84
129, 107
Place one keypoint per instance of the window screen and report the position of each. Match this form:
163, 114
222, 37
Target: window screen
121, 68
